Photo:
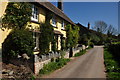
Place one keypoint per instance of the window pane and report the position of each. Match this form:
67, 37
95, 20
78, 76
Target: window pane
34, 13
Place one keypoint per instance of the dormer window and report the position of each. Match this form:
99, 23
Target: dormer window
54, 22
63, 25
34, 13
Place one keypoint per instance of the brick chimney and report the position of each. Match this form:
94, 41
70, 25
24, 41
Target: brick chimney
60, 4
88, 25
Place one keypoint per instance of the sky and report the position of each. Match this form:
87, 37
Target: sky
84, 12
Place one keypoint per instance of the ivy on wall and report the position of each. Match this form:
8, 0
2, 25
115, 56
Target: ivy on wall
20, 40
69, 41
17, 15
46, 35
72, 35
75, 32
62, 43
54, 44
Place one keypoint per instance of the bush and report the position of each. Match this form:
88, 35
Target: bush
62, 53
115, 50
91, 44
18, 42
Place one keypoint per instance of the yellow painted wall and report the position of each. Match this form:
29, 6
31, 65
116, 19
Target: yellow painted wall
42, 15
3, 32
59, 28
32, 25
41, 19
35, 26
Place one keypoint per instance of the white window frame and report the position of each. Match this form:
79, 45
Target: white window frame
63, 25
34, 16
36, 40
54, 22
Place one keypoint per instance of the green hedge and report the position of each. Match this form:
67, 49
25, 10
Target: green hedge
112, 66
18, 42
115, 50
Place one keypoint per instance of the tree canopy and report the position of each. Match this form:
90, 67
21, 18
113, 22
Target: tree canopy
100, 26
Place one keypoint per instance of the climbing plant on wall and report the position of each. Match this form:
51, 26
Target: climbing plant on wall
69, 36
62, 43
19, 40
54, 44
75, 33
72, 33
46, 35
17, 15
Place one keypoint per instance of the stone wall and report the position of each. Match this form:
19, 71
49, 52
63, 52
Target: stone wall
40, 61
67, 54
39, 65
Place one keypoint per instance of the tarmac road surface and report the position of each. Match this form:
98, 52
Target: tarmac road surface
89, 65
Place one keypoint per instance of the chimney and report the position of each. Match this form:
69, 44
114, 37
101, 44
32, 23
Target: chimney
60, 4
88, 25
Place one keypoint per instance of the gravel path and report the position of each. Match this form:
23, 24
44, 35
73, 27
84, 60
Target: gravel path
89, 65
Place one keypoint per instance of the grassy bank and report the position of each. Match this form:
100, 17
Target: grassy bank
82, 52
52, 66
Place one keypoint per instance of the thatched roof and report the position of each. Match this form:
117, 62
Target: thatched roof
56, 11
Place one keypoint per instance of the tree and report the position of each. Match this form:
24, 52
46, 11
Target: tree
17, 15
100, 26
94, 38
111, 31
119, 37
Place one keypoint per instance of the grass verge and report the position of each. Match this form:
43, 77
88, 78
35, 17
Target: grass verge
80, 53
52, 66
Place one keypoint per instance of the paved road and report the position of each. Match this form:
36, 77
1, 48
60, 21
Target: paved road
89, 65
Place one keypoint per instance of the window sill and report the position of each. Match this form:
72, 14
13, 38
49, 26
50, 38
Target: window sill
36, 49
35, 21
63, 29
54, 26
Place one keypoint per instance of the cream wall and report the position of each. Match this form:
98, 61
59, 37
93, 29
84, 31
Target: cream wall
41, 15
35, 26
59, 28
3, 32
41, 19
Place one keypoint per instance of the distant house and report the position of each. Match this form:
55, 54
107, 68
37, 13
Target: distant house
39, 11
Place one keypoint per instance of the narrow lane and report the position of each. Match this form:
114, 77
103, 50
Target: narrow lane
89, 65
